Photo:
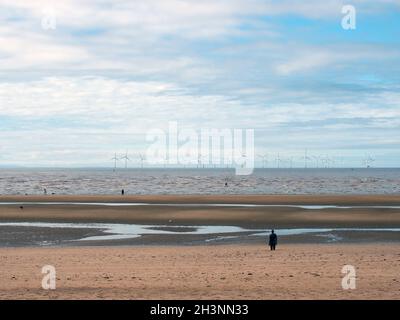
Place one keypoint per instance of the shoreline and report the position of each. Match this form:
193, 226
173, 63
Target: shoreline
289, 199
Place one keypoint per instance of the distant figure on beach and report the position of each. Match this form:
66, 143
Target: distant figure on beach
44, 191
273, 240
122, 192
226, 184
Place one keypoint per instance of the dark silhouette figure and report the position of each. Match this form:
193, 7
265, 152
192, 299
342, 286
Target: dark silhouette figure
273, 240
122, 192
226, 184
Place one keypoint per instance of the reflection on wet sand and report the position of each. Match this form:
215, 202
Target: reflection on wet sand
107, 232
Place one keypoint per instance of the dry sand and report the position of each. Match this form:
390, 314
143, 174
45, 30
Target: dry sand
207, 272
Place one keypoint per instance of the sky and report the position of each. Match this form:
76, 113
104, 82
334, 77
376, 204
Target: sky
81, 80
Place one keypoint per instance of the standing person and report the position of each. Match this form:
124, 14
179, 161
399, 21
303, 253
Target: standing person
122, 192
273, 240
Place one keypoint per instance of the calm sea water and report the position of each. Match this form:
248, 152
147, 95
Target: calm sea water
200, 181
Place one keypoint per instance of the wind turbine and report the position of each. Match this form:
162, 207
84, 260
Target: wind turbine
317, 158
368, 161
278, 160
115, 161
333, 161
264, 159
142, 158
371, 160
306, 158
126, 158
327, 161
202, 160
291, 162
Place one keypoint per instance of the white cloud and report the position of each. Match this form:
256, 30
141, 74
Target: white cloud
113, 69
304, 63
93, 99
82, 121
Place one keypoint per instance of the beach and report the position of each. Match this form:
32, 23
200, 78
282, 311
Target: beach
163, 149
279, 210
212, 272
173, 256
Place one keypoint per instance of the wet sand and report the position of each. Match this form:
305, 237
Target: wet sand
23, 236
390, 199
15, 236
202, 272
250, 217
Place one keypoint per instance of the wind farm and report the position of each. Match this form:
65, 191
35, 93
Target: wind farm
268, 160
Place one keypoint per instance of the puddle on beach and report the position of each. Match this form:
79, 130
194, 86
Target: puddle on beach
130, 231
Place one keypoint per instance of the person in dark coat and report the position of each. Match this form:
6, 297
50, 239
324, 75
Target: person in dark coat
273, 240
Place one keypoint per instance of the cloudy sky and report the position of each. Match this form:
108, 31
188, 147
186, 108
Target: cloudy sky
80, 80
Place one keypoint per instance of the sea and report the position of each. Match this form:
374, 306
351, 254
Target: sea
100, 181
